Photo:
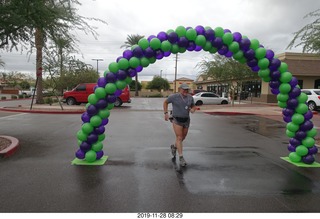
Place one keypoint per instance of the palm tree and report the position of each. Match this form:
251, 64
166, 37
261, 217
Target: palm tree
132, 40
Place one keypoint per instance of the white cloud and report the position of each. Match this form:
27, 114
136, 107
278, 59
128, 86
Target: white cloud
272, 22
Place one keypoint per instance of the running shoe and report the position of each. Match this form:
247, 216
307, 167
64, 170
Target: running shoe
173, 150
183, 163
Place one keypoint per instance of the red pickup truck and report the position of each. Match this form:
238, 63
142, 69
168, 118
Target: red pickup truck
80, 94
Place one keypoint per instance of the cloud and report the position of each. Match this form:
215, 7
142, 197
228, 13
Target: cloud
272, 22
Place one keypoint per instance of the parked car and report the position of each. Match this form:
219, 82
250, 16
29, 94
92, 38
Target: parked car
208, 98
80, 94
313, 98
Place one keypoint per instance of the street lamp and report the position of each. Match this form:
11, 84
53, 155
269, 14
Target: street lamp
97, 64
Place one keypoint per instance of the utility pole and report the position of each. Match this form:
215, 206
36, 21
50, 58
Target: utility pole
175, 74
97, 64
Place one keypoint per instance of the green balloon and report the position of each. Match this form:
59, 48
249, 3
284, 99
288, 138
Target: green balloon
143, 43
110, 106
166, 46
290, 134
208, 46
227, 38
169, 31
144, 62
285, 77
285, 88
301, 150
234, 47
182, 50
311, 133
95, 121
283, 67
181, 31
104, 113
308, 142
121, 84
243, 60
302, 98
263, 63
297, 118
191, 34
87, 105
90, 156
128, 80
123, 64
213, 50
114, 67
254, 44
175, 49
100, 93
219, 32
134, 61
81, 136
294, 157
292, 127
282, 97
201, 40
302, 108
282, 104
152, 60
238, 55
87, 128
266, 79
264, 73
97, 146
110, 88
101, 137
155, 43
93, 99
260, 53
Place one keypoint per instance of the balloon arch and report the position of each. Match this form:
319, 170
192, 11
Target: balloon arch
295, 111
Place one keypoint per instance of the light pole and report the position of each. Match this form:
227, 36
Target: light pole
97, 64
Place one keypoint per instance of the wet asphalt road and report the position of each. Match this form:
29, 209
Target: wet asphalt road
234, 165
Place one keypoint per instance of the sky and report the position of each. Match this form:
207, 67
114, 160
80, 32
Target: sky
272, 22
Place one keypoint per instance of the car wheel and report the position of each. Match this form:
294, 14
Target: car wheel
224, 102
71, 101
312, 105
118, 102
199, 103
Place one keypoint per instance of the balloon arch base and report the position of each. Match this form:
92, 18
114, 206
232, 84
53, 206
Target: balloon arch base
99, 162
301, 164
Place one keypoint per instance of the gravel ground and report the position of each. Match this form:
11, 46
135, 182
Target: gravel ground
4, 143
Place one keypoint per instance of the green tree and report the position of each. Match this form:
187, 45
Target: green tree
132, 40
25, 85
309, 35
133, 84
34, 23
158, 83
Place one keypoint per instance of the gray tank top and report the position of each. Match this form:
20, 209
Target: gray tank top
180, 104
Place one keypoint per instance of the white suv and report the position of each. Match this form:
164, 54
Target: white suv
313, 98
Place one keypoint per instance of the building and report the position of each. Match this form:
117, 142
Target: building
304, 66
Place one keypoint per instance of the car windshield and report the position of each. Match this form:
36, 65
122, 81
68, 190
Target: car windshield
317, 92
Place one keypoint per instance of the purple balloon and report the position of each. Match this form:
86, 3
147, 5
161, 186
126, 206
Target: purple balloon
274, 84
294, 142
139, 68
295, 92
287, 112
306, 126
275, 91
105, 121
191, 46
292, 103
313, 150
274, 64
291, 148
151, 37
217, 42
249, 54
111, 98
200, 30
101, 104
309, 159
167, 53
237, 37
227, 31
308, 115
198, 48
132, 72
245, 44
255, 68
102, 81
228, 54
269, 54
127, 54
92, 138
120, 57
173, 37
138, 52
85, 117
287, 119
80, 154
99, 130
111, 77
300, 135
223, 50
275, 75
99, 154
183, 42
92, 110
162, 36
159, 54
149, 52
209, 34
121, 74
252, 63
118, 92
294, 82
84, 146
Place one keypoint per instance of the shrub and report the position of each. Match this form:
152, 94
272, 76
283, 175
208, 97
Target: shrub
14, 97
3, 98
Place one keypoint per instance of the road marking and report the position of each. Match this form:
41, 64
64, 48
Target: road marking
20, 114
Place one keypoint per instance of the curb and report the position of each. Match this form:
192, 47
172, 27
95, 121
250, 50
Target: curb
11, 149
43, 111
